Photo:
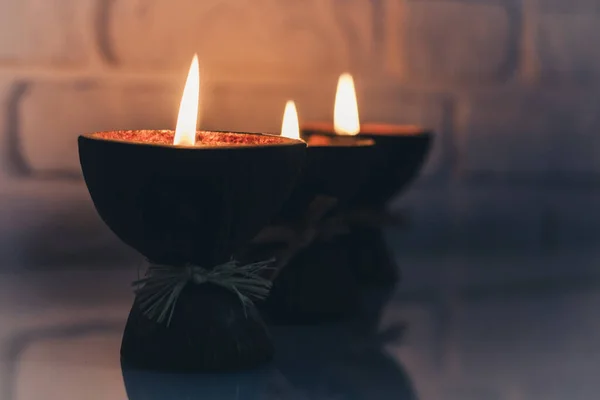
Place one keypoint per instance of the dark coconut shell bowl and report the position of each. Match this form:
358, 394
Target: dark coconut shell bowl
400, 151
317, 285
198, 205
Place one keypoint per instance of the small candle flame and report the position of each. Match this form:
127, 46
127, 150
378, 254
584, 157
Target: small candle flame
187, 120
345, 114
290, 127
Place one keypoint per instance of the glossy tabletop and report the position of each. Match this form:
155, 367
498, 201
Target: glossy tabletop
437, 336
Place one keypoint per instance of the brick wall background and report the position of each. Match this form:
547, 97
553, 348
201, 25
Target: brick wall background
509, 86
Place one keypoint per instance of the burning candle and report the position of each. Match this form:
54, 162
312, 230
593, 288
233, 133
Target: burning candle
345, 112
187, 201
400, 149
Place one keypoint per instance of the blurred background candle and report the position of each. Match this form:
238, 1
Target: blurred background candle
311, 282
290, 127
400, 153
345, 114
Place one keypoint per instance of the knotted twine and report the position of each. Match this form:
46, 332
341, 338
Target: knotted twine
296, 238
320, 223
158, 291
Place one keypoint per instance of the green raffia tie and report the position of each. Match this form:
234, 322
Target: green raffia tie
157, 292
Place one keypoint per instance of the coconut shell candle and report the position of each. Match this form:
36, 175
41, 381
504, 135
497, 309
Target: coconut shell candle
312, 281
187, 201
400, 151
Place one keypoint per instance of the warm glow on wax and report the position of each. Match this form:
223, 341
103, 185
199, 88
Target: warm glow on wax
290, 127
345, 114
187, 120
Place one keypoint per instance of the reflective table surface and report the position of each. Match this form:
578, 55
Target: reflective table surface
450, 331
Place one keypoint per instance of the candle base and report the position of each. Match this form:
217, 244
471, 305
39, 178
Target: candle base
210, 331
316, 287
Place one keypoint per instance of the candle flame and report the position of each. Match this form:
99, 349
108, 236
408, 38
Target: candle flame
187, 120
290, 127
345, 114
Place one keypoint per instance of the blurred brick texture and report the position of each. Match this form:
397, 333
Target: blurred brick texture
509, 86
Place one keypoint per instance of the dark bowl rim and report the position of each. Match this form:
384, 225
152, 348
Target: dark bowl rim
286, 142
